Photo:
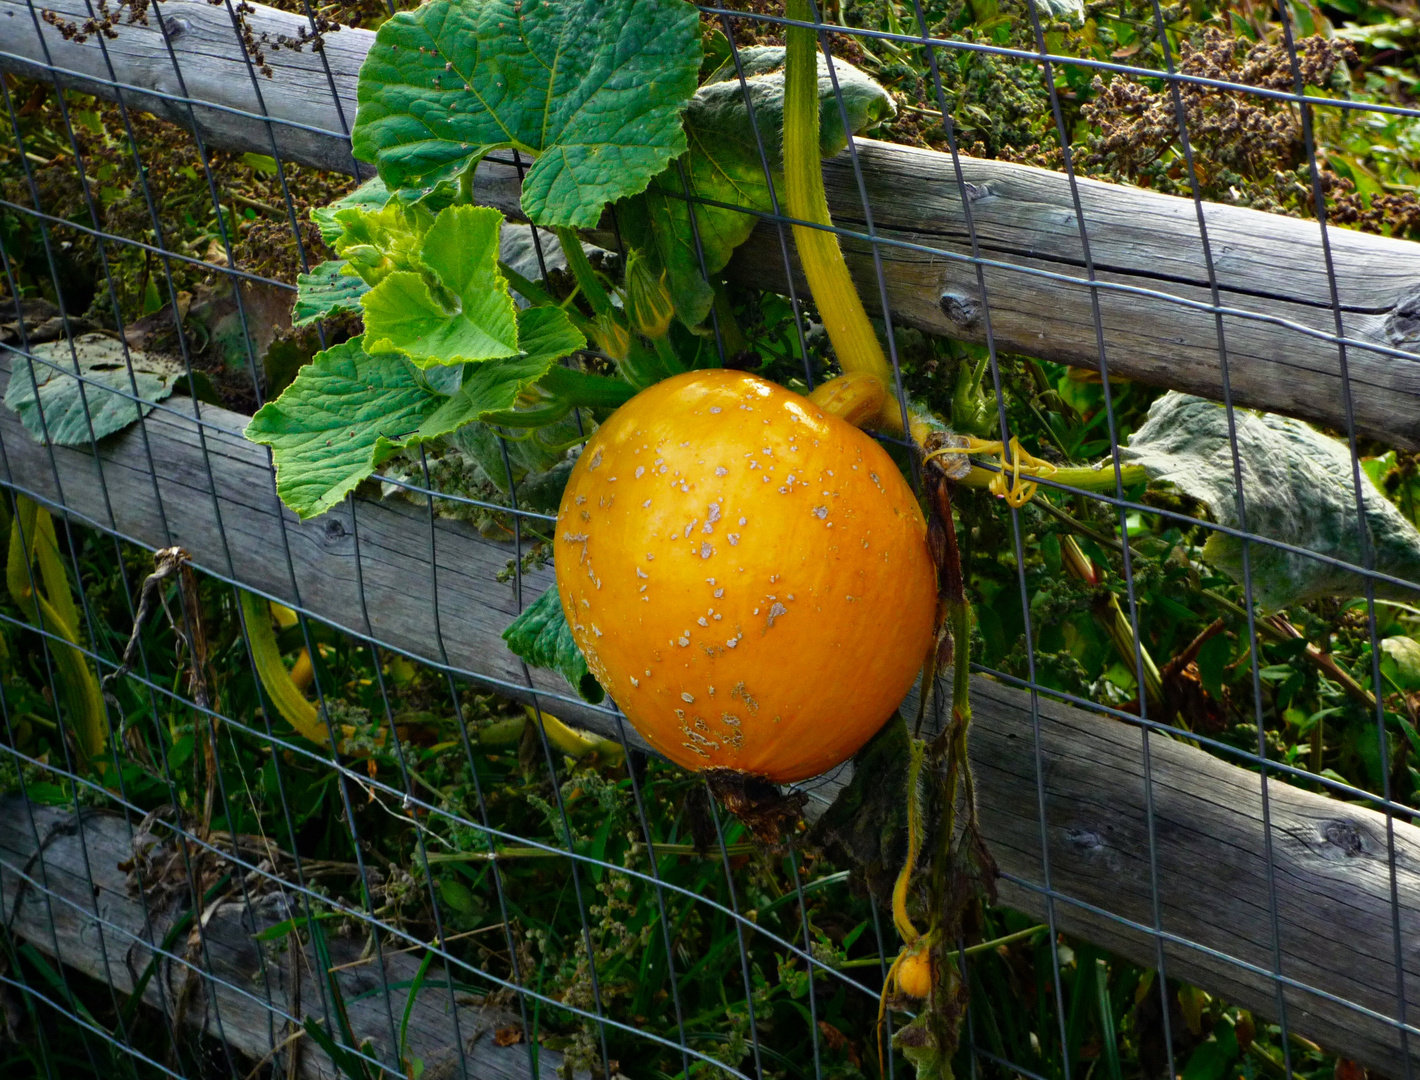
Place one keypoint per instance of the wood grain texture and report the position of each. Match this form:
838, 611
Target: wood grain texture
1330, 860
1024, 218
61, 890
1330, 881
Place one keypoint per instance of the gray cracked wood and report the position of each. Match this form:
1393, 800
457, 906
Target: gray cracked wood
1269, 268
61, 890
1331, 870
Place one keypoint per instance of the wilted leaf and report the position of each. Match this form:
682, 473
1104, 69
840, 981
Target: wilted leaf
593, 89
105, 398
508, 1036
1404, 653
1298, 488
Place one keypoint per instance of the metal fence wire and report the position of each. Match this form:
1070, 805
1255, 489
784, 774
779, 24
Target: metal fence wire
1195, 685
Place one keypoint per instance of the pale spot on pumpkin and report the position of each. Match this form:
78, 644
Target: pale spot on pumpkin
689, 699
706, 550
640, 471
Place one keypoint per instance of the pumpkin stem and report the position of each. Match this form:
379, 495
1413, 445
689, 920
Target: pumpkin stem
839, 306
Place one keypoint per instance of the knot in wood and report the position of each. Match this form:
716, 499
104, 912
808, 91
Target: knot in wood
1344, 838
334, 529
963, 310
175, 27
977, 192
1402, 322
1086, 840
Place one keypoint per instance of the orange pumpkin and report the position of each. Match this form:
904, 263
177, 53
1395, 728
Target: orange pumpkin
747, 576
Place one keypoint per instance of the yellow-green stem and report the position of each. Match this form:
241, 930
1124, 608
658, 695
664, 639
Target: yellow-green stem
266, 655
32, 539
839, 306
586, 277
900, 918
1084, 478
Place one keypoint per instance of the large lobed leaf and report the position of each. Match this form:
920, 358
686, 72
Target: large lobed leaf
724, 164
325, 429
348, 411
593, 89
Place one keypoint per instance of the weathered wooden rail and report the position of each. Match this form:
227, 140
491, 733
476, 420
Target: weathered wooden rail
1159, 329
1331, 863
62, 890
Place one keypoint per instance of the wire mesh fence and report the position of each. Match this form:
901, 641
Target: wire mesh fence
279, 799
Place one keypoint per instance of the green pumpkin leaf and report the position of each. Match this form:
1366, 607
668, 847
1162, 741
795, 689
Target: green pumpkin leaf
348, 411
371, 195
472, 317
326, 290
493, 386
378, 241
329, 427
592, 89
51, 401
724, 165
541, 636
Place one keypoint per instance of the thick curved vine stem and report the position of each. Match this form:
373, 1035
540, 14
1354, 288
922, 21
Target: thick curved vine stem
844, 318
900, 918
